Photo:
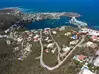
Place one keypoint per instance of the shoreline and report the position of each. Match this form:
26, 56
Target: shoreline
26, 19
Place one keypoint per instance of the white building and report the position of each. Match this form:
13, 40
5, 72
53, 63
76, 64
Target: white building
74, 42
66, 49
19, 39
77, 22
97, 52
88, 44
96, 62
50, 45
54, 32
8, 42
89, 31
86, 71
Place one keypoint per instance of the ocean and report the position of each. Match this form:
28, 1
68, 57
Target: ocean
89, 10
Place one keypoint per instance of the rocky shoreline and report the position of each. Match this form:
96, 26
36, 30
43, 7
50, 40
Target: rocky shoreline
9, 17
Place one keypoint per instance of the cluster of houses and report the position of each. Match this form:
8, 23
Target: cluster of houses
84, 61
91, 44
26, 37
3, 36
25, 52
89, 31
94, 35
23, 40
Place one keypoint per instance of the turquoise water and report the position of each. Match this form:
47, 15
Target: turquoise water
89, 9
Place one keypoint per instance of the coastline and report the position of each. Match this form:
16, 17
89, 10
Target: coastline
49, 37
37, 20
21, 47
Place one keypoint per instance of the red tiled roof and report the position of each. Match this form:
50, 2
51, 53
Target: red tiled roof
81, 57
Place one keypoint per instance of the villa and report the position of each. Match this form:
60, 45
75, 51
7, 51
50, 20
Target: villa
89, 32
95, 38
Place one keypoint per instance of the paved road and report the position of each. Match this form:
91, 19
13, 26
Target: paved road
61, 62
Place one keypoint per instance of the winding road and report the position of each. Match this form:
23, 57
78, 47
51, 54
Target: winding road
61, 62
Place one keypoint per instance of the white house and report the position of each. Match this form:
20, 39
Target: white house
86, 71
89, 31
96, 62
50, 45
